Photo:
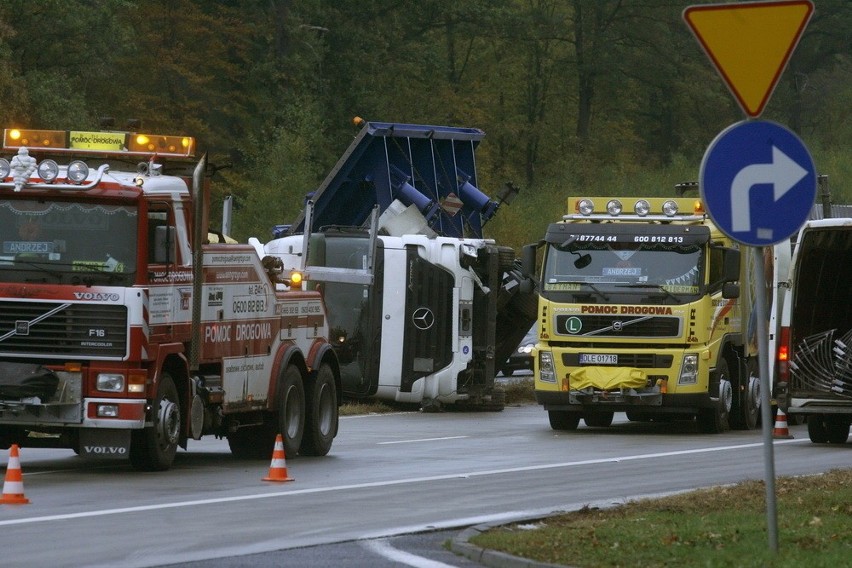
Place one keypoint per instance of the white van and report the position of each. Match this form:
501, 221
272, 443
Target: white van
815, 337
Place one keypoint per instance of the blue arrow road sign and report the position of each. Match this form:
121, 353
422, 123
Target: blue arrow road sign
758, 182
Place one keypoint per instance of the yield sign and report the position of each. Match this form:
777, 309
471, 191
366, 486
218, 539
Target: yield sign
750, 44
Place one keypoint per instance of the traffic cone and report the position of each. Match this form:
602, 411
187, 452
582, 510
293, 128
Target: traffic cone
278, 467
781, 432
13, 486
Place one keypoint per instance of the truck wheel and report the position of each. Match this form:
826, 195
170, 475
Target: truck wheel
153, 448
322, 414
714, 420
746, 405
598, 419
291, 409
563, 419
638, 416
506, 258
837, 428
252, 442
817, 429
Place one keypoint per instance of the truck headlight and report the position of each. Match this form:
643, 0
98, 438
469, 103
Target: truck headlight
48, 170
688, 370
110, 382
546, 370
78, 171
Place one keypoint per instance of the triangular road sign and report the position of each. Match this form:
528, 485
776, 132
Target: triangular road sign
750, 44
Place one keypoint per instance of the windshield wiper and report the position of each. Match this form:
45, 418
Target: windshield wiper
659, 287
595, 289
38, 265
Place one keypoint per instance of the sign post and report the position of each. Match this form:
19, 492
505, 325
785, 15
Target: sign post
757, 179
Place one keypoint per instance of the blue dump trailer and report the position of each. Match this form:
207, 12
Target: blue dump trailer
423, 309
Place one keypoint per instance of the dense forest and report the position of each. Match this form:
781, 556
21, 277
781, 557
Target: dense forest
575, 96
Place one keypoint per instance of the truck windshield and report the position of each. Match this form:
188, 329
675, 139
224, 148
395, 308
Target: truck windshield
67, 242
623, 272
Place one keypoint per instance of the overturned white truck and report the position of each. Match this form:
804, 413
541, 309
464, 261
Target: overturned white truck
422, 308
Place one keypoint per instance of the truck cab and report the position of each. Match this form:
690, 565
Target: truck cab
641, 312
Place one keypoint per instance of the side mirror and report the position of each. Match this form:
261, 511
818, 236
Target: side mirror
731, 266
164, 245
528, 253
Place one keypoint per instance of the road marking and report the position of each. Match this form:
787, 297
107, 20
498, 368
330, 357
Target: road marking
423, 440
273, 495
385, 550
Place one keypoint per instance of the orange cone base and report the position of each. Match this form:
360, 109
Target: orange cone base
13, 500
273, 476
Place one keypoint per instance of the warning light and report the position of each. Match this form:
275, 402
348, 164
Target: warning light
17, 137
154, 143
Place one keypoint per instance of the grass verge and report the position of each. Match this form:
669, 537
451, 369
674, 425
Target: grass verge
720, 526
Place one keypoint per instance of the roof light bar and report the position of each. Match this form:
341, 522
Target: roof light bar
647, 209
101, 142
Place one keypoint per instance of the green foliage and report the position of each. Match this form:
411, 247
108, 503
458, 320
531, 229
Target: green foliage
579, 97
284, 166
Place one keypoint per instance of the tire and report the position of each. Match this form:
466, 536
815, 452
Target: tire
817, 429
563, 419
506, 259
322, 414
252, 442
745, 410
837, 428
291, 409
715, 420
497, 402
638, 416
153, 448
598, 419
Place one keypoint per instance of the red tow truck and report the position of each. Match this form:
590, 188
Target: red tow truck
126, 327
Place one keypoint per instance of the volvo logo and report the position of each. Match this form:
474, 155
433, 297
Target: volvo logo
423, 318
617, 326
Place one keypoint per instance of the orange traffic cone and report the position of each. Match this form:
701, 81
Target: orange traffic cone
781, 432
278, 468
13, 486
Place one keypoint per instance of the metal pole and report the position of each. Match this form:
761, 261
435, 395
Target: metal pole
765, 390
227, 212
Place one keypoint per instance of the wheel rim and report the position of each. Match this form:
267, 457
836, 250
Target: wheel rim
168, 423
754, 392
726, 395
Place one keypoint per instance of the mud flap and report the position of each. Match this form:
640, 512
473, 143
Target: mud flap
104, 444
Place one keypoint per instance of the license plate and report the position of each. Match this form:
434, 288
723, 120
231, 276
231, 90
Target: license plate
598, 359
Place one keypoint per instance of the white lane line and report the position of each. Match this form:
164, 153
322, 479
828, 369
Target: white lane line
423, 440
464, 475
385, 550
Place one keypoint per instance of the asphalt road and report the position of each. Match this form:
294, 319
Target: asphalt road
391, 492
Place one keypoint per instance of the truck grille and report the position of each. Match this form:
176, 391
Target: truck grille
56, 330
618, 326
